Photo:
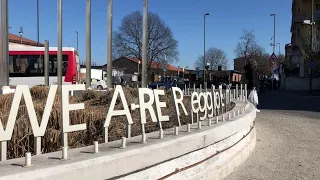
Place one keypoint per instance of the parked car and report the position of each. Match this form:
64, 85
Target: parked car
167, 83
97, 84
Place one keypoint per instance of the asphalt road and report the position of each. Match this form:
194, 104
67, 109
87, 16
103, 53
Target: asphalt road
288, 139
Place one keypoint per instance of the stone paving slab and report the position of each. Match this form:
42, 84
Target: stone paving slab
288, 140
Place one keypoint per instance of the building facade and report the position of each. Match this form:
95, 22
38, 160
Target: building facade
134, 66
300, 36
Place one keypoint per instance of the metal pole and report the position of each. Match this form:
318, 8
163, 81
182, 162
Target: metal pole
46, 62
59, 58
38, 24
274, 32
109, 45
77, 33
21, 32
145, 44
88, 44
4, 44
311, 47
204, 49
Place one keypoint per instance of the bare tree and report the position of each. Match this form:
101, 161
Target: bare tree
127, 41
246, 45
304, 41
216, 57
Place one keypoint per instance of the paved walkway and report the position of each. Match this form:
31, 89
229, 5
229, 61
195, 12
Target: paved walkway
288, 139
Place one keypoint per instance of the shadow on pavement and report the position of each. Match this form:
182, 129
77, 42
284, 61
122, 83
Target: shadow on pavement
290, 102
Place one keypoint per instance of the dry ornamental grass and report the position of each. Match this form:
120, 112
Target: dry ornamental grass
94, 114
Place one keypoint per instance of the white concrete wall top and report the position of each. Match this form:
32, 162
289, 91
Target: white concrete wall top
114, 162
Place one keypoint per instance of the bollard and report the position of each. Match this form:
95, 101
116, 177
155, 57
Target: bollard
209, 122
188, 127
229, 116
27, 162
234, 114
144, 138
199, 125
64, 153
238, 112
217, 119
96, 147
176, 131
3, 150
160, 133
123, 143
223, 117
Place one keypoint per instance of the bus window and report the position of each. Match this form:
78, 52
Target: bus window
53, 65
33, 65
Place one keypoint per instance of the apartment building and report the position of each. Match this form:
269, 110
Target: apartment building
300, 37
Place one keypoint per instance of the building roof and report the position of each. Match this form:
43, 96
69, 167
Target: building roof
16, 39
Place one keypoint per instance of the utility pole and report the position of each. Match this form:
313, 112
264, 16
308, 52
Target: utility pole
145, 45
88, 44
109, 45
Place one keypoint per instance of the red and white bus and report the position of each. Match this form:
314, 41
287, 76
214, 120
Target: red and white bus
26, 65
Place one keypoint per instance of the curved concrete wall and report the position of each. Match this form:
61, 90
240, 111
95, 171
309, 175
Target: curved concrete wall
210, 153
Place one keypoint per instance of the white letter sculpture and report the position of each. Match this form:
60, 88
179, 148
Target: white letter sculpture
23, 91
112, 112
146, 105
159, 105
66, 108
177, 102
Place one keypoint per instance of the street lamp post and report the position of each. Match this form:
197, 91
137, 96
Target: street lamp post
204, 47
77, 35
274, 31
145, 44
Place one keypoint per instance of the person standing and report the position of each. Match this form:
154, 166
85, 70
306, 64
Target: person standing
251, 76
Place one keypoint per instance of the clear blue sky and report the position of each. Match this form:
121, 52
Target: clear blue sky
185, 17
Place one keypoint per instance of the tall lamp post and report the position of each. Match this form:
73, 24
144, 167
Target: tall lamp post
274, 32
204, 47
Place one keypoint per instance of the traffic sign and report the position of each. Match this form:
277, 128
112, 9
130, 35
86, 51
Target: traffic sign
274, 62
